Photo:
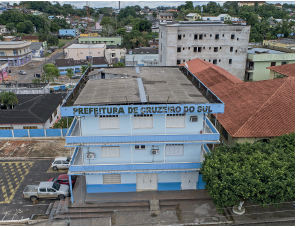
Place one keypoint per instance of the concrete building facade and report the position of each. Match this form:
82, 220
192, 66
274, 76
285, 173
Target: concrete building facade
221, 44
16, 53
115, 55
261, 57
141, 129
141, 57
101, 40
68, 32
83, 51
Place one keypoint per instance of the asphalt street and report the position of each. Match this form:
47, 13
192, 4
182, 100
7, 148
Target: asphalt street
30, 72
14, 176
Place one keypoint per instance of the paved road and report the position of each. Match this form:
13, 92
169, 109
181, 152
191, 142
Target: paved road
30, 72
14, 176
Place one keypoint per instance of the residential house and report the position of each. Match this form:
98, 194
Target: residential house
37, 49
154, 44
114, 54
99, 62
250, 3
281, 71
144, 129
84, 51
36, 12
51, 17
33, 111
64, 64
101, 40
141, 57
192, 17
278, 5
16, 53
221, 44
3, 29
261, 57
67, 32
254, 111
30, 38
60, 17
221, 17
164, 17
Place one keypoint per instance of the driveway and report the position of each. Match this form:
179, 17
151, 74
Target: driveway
14, 176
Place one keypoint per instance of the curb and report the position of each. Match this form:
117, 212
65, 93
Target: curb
25, 158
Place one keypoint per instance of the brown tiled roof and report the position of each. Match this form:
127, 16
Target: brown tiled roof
252, 109
29, 37
209, 73
286, 69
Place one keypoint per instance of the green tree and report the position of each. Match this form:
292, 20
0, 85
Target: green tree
261, 172
189, 5
10, 26
83, 68
119, 64
8, 98
53, 40
145, 25
54, 27
121, 31
83, 30
62, 123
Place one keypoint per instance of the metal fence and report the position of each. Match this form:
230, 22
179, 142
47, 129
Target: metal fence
19, 133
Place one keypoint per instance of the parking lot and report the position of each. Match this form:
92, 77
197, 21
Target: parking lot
14, 176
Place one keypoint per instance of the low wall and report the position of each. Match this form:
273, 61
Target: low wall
20, 133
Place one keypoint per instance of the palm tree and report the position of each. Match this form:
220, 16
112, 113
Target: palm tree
11, 99
8, 98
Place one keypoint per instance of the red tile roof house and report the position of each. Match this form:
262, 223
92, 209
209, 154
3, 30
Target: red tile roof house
257, 110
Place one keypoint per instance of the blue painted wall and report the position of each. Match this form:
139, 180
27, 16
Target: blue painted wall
67, 32
90, 126
76, 69
166, 182
128, 154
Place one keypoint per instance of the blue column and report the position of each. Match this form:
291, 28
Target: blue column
70, 186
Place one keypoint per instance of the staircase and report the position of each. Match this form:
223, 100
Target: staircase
63, 209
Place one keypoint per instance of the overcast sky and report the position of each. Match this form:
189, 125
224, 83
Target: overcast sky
150, 4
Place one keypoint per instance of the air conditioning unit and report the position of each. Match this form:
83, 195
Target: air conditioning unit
193, 119
154, 151
90, 155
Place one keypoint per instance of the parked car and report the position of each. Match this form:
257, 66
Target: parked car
60, 163
63, 179
46, 190
75, 76
22, 72
50, 52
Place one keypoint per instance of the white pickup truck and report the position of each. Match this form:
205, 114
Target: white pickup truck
46, 190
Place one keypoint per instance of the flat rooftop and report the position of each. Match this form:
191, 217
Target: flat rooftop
86, 46
257, 51
161, 85
12, 42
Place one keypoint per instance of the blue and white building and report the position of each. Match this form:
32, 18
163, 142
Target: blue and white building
141, 129
67, 32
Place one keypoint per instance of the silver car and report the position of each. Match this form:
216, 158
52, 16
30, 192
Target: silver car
46, 190
60, 163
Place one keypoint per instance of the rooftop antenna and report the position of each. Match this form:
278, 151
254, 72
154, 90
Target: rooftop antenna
126, 99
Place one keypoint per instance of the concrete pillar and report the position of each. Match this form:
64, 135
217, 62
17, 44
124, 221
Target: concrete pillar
70, 186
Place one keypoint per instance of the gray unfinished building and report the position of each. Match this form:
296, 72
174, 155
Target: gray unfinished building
221, 44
